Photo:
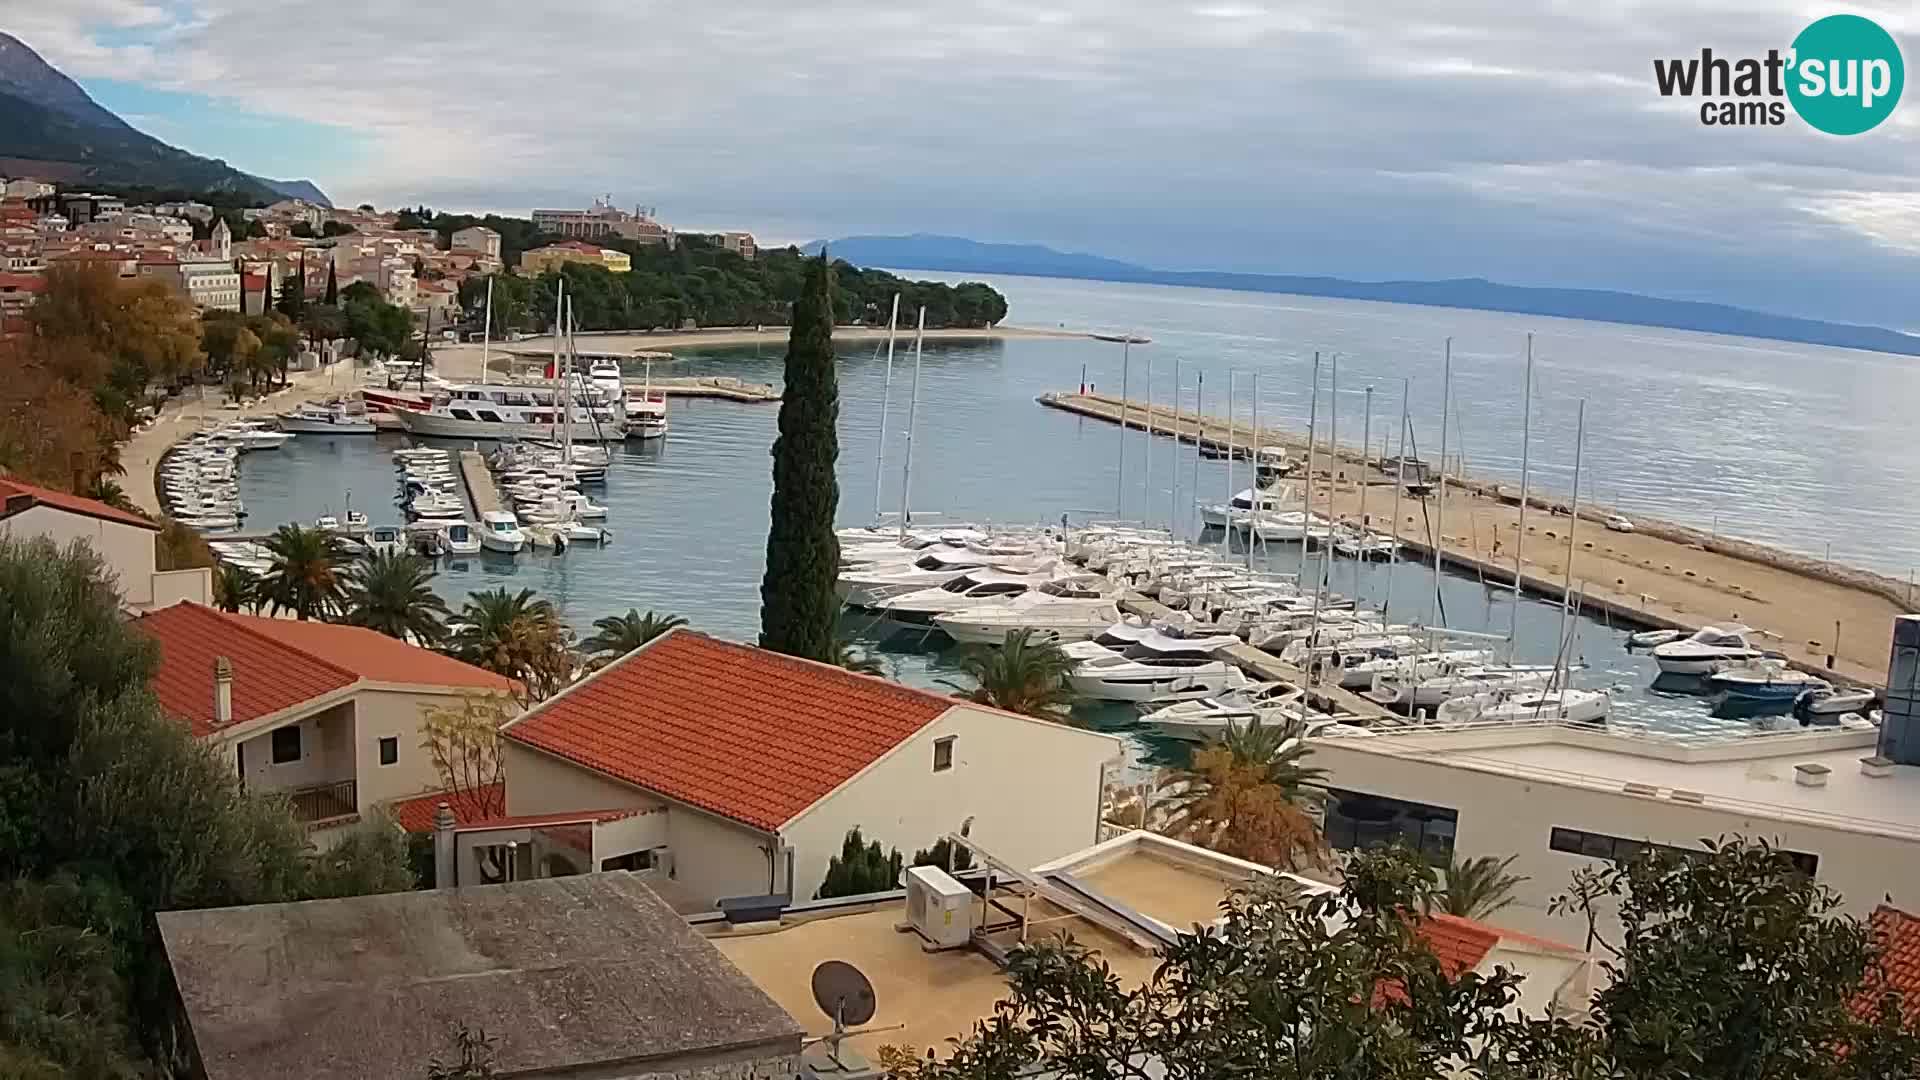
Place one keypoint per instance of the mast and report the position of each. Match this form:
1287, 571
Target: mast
1173, 459
1520, 539
1199, 429
566, 393
1313, 416
559, 326
913, 410
1146, 483
1333, 466
1120, 460
1573, 523
886, 396
1440, 510
1399, 484
486, 332
1366, 437
1226, 537
1253, 512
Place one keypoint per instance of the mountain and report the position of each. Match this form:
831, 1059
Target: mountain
50, 128
954, 254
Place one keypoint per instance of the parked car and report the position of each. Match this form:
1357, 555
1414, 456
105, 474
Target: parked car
1619, 524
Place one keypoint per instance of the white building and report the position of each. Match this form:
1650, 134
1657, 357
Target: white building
602, 221
477, 238
212, 284
1562, 797
748, 768
24, 188
124, 542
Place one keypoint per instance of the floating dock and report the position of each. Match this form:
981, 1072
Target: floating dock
479, 478
1659, 575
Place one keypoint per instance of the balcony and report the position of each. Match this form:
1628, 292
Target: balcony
323, 801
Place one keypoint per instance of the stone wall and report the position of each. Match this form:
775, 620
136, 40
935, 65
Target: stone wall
776, 1067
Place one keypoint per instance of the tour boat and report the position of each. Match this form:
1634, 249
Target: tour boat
330, 418
1709, 648
517, 410
500, 532
1064, 609
1156, 666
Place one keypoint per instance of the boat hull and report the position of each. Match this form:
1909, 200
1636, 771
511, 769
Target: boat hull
990, 633
317, 426
433, 425
1172, 685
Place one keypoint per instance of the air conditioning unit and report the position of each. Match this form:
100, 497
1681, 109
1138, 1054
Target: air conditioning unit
939, 908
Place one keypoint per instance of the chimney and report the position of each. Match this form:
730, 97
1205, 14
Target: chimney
1811, 774
1876, 766
222, 691
445, 866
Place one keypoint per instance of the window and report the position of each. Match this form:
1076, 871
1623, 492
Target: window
635, 860
943, 754
1620, 849
286, 744
389, 750
1356, 819
489, 415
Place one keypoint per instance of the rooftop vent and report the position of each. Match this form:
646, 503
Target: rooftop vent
1810, 774
1648, 790
1876, 766
1694, 797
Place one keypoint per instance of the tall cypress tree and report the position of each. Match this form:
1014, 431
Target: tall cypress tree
798, 605
333, 287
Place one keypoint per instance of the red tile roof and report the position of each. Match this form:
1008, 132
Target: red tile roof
747, 734
473, 810
1897, 933
279, 663
73, 504
27, 282
1459, 944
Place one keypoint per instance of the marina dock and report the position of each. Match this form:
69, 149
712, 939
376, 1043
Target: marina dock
1659, 575
480, 489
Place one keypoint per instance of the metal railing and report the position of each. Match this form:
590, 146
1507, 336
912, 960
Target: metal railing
323, 801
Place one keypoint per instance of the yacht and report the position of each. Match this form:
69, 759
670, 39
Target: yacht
386, 540
1409, 687
517, 410
1352, 664
338, 417
1202, 719
979, 588
500, 532
1567, 705
1248, 503
1064, 609
460, 538
1708, 648
646, 414
1156, 666
935, 567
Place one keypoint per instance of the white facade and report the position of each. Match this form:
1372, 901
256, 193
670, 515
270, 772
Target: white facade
27, 189
1561, 798
477, 238
211, 285
127, 550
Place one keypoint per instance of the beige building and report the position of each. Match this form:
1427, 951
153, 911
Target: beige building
601, 221
477, 238
740, 243
124, 542
552, 257
329, 715
751, 767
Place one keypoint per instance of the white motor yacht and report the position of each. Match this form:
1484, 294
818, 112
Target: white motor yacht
984, 587
1202, 719
1158, 666
1064, 609
500, 532
1566, 705
1708, 648
1247, 504
386, 540
437, 505
1409, 688
934, 567
460, 538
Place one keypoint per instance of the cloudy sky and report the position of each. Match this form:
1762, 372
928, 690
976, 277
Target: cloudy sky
1385, 139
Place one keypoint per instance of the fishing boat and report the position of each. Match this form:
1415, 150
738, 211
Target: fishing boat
1709, 648
500, 532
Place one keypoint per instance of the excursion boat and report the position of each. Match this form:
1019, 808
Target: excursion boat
1151, 664
338, 417
1710, 648
518, 411
1062, 610
499, 531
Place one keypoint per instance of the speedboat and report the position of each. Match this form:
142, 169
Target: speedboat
355, 524
1760, 688
1207, 718
1566, 705
1244, 505
1064, 609
460, 538
935, 567
1709, 648
1158, 665
385, 540
500, 532
1825, 705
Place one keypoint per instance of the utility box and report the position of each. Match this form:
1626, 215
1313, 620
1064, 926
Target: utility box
939, 908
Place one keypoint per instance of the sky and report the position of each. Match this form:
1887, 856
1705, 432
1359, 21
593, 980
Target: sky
1392, 139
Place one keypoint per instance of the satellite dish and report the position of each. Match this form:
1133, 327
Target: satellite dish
843, 993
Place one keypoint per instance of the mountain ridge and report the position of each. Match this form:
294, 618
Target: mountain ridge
49, 123
955, 254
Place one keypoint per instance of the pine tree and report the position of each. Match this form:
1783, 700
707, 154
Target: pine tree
798, 606
333, 287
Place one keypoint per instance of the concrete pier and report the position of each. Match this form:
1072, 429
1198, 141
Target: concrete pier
480, 489
1661, 574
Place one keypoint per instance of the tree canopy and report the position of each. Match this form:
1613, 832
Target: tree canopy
798, 606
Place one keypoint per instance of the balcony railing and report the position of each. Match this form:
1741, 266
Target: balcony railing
323, 801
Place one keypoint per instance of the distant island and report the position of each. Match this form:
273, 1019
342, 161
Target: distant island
923, 251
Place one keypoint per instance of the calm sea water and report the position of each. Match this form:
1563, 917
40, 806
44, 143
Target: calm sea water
1794, 445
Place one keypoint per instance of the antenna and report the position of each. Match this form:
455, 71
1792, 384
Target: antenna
844, 993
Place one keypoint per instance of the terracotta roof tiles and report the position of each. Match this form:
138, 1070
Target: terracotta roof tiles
1897, 933
741, 732
73, 504
1459, 944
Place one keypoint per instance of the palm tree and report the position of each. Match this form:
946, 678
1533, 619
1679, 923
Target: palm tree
617, 635
516, 635
1476, 888
1249, 795
1020, 676
393, 593
305, 578
108, 490
236, 588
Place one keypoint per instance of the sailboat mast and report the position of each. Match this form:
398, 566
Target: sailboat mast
1226, 536
1520, 537
1173, 458
886, 396
486, 332
1440, 507
1333, 467
1199, 429
913, 412
1366, 437
1146, 483
1120, 459
1313, 416
1399, 485
1253, 441
1573, 521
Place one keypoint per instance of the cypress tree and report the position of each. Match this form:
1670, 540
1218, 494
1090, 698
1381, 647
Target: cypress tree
333, 287
798, 606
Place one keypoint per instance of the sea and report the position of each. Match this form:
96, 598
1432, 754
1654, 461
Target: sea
1800, 446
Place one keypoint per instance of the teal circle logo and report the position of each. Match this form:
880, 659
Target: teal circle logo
1845, 75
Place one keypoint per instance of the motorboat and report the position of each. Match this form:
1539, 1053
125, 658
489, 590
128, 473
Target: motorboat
386, 540
1411, 687
935, 567
1568, 705
1159, 665
646, 414
1352, 664
1647, 639
984, 587
460, 538
1709, 648
1825, 705
437, 505
1248, 503
354, 523
1364, 544
1203, 719
517, 410
253, 435
500, 532
1764, 687
1064, 609
339, 417
580, 532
